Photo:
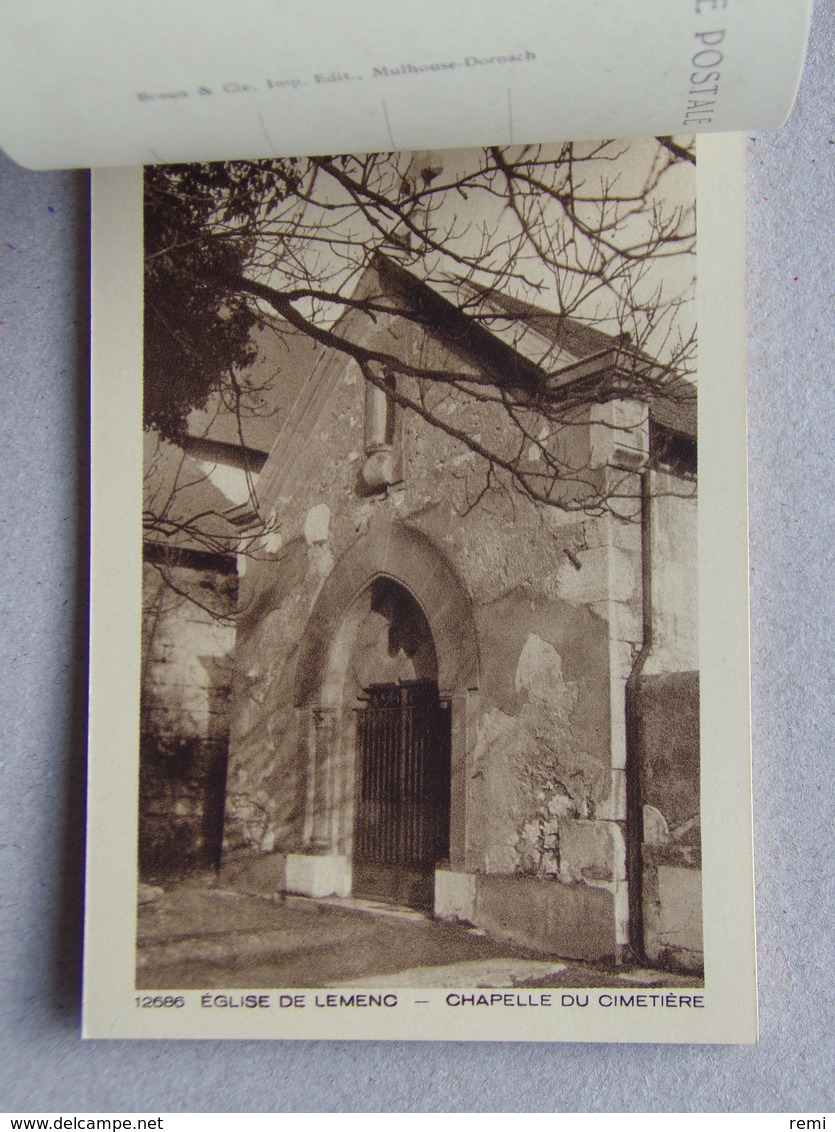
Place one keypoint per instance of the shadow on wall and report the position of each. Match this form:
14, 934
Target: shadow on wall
181, 801
184, 732
666, 711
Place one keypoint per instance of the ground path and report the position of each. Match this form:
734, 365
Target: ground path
193, 936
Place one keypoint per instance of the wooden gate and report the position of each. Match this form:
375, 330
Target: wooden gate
401, 828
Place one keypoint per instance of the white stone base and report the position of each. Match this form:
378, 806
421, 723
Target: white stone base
318, 876
455, 895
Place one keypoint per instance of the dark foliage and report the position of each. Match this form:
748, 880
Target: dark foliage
195, 333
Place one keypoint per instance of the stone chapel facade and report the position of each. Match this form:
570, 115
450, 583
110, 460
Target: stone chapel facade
445, 695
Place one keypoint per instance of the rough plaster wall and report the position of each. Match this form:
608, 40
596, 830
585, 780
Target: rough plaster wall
541, 742
521, 761
675, 576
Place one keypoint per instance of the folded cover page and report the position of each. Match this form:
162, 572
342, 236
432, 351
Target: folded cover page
419, 677
94, 83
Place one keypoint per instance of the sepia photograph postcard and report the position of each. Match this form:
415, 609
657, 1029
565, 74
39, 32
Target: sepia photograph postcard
419, 651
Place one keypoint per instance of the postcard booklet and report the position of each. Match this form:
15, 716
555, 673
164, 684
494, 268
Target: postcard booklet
419, 677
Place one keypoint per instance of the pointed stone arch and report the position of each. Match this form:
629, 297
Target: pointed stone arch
408, 557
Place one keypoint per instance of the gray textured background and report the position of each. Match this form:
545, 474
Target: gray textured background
43, 361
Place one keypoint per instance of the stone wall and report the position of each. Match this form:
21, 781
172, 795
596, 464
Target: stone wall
666, 711
188, 636
666, 714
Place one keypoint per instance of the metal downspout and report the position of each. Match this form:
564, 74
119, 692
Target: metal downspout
634, 804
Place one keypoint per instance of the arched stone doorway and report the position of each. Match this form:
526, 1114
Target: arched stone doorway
385, 673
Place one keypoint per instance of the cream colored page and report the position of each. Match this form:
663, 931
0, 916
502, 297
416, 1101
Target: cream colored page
95, 83
726, 1008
